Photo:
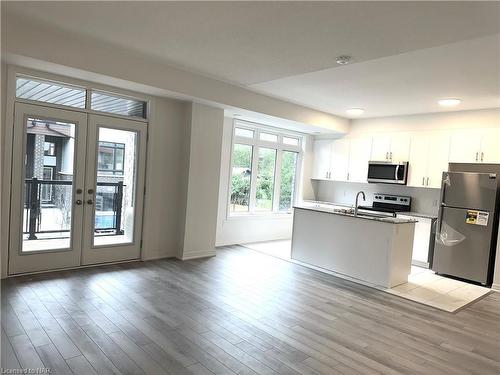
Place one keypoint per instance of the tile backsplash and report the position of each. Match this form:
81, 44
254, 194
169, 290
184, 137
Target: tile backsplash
424, 200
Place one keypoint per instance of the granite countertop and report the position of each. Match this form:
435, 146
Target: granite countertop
346, 211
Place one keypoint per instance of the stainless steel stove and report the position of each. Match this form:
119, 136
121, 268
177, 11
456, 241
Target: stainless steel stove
389, 204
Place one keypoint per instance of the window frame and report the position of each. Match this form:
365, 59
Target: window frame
257, 143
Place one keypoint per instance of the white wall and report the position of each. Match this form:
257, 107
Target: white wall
163, 187
246, 229
484, 118
205, 145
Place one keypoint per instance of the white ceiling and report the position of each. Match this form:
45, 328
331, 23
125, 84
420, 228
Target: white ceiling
406, 54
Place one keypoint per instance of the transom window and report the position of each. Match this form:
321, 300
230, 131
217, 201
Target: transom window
62, 94
264, 170
111, 158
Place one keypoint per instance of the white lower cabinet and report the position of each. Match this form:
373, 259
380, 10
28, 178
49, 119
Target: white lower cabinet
422, 240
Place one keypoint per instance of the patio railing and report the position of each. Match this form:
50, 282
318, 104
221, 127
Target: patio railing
39, 194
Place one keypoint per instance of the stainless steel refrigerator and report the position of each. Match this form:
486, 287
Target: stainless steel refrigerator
467, 227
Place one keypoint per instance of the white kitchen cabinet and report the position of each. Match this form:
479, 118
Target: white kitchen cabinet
422, 240
393, 147
490, 146
381, 146
322, 158
418, 160
439, 150
428, 159
359, 156
465, 145
340, 160
475, 146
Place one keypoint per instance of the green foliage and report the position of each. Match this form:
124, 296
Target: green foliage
240, 182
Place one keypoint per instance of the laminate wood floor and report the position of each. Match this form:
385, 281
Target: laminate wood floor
240, 312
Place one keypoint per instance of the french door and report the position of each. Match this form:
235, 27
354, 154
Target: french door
88, 210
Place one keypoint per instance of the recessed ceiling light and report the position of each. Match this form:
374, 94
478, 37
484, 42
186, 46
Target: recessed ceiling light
343, 60
449, 102
355, 111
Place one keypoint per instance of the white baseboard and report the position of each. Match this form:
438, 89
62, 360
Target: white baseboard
198, 254
495, 287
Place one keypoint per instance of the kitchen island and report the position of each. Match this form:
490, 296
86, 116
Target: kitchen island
375, 250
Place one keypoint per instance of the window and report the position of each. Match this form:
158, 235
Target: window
268, 137
275, 159
265, 179
46, 91
111, 103
111, 158
50, 92
240, 132
240, 178
287, 181
49, 149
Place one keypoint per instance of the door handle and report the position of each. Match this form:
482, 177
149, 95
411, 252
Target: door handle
423, 181
482, 156
90, 201
427, 184
78, 202
387, 156
390, 154
477, 156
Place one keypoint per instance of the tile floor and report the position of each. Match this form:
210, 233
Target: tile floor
423, 285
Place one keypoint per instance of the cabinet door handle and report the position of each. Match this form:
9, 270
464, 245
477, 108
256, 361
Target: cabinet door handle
427, 183
391, 155
477, 156
423, 181
387, 156
482, 156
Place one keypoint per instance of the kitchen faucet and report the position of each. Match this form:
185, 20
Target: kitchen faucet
356, 204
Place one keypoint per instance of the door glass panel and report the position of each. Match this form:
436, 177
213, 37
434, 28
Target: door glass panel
48, 185
265, 179
116, 185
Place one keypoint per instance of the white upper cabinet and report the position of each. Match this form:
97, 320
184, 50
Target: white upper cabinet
418, 161
381, 146
322, 158
340, 160
400, 147
359, 155
393, 147
428, 158
490, 146
475, 146
438, 156
465, 146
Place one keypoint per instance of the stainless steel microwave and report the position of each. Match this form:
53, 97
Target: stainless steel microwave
387, 172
